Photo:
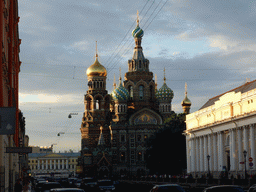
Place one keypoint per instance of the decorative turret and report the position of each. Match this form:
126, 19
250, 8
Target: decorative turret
186, 103
164, 96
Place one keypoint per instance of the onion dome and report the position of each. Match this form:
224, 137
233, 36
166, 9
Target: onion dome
164, 92
137, 32
186, 101
96, 69
120, 93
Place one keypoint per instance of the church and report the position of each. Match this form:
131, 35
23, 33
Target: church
116, 125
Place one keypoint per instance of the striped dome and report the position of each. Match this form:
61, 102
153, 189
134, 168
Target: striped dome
120, 93
164, 92
137, 32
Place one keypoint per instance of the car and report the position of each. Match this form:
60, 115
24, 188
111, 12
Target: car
50, 185
252, 188
39, 185
88, 183
66, 190
224, 188
167, 187
105, 185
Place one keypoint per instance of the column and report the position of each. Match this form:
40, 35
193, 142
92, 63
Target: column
205, 154
46, 166
62, 163
240, 149
246, 146
201, 154
58, 164
210, 152
42, 164
252, 146
67, 163
220, 151
55, 164
38, 165
197, 155
50, 163
192, 159
232, 145
215, 154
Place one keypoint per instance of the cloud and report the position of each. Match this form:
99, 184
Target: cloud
222, 42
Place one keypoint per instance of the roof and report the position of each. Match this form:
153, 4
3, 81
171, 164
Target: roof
243, 88
55, 155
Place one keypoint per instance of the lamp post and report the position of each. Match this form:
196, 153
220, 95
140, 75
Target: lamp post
208, 158
245, 153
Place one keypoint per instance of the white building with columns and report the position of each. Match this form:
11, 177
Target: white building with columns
222, 129
57, 164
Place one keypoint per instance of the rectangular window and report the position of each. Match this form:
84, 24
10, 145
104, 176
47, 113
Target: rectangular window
122, 138
139, 138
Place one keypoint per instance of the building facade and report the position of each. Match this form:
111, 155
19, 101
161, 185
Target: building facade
221, 134
53, 164
115, 126
12, 165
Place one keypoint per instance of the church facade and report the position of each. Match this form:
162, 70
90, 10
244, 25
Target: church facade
115, 126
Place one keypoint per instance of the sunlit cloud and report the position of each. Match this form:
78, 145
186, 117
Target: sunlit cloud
40, 98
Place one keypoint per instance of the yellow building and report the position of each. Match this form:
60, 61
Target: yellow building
53, 164
224, 130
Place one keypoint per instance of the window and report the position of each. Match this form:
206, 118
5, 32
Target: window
122, 156
130, 88
139, 138
141, 92
122, 138
139, 156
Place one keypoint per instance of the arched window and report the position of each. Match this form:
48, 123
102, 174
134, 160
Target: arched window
89, 103
98, 84
97, 104
151, 92
141, 92
130, 88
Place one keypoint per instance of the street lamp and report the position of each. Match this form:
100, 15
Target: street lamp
208, 158
245, 153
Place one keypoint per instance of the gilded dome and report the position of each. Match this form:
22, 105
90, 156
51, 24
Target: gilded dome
164, 92
186, 101
120, 93
96, 69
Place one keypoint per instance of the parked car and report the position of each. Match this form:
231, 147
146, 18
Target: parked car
105, 185
167, 187
252, 188
66, 190
88, 183
50, 185
224, 188
39, 185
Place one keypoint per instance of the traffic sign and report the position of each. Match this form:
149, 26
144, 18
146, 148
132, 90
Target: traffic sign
250, 164
250, 159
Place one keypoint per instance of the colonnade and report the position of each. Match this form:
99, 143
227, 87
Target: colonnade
224, 148
56, 164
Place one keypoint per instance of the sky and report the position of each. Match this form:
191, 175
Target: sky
210, 45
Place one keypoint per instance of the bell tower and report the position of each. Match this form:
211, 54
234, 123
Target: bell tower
97, 102
139, 80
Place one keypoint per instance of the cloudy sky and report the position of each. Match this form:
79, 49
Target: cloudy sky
208, 44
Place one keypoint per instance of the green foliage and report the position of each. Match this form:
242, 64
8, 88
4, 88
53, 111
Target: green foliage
166, 152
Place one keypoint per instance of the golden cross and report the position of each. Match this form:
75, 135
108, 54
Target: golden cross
164, 76
96, 50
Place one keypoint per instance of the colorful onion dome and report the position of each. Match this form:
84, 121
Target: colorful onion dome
137, 32
164, 92
120, 93
96, 69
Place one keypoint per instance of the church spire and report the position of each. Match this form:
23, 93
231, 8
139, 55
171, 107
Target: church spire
114, 83
138, 18
164, 76
186, 103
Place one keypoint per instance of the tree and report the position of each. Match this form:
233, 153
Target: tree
166, 152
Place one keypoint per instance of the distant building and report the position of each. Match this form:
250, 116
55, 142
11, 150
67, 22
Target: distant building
223, 129
42, 149
53, 164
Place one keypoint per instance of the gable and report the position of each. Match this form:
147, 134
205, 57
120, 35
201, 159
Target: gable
145, 117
